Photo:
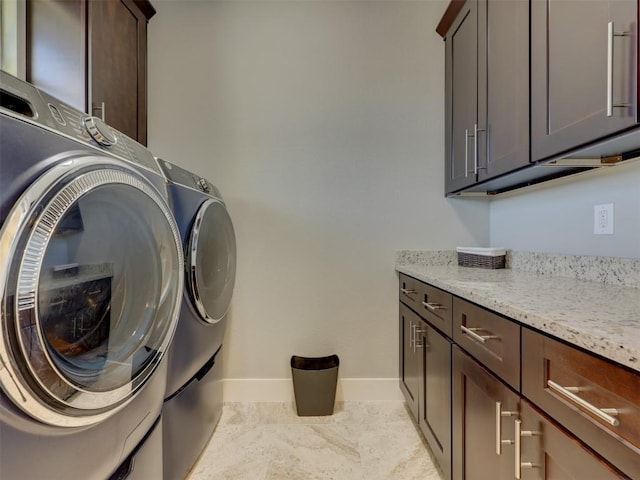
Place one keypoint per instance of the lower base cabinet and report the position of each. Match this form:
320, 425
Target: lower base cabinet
435, 395
425, 381
409, 359
481, 394
484, 413
499, 435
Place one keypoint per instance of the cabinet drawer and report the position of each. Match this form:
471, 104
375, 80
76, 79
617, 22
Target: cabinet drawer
554, 453
409, 291
577, 389
493, 340
436, 306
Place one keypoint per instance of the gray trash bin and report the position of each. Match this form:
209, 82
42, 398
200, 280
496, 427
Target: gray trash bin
314, 384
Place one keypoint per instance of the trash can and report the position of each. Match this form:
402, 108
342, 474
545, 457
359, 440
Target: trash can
314, 384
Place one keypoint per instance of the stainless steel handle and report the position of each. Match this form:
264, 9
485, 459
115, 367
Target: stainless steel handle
434, 306
407, 292
475, 149
609, 69
412, 337
499, 415
519, 433
417, 345
466, 152
472, 333
606, 414
102, 109
610, 36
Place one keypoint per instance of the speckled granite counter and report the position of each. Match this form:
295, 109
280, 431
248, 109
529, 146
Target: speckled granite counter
600, 317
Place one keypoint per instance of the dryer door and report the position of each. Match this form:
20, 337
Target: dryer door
91, 289
211, 261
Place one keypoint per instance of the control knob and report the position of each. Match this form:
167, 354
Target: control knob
99, 131
204, 185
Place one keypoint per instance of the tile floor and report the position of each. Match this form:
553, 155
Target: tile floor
361, 440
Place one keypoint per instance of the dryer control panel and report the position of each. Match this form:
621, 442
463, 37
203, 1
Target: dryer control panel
180, 176
24, 101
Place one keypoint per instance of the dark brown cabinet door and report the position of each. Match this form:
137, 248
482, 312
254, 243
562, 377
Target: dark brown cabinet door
548, 453
435, 394
461, 94
409, 359
503, 85
484, 414
487, 92
92, 55
583, 57
118, 65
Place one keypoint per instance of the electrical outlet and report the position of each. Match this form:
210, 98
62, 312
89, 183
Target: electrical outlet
603, 219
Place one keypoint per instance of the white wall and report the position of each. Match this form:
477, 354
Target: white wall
558, 217
321, 122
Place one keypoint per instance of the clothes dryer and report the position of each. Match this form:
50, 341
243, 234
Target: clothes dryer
193, 402
91, 276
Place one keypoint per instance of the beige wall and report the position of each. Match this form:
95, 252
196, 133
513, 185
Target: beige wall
558, 217
322, 124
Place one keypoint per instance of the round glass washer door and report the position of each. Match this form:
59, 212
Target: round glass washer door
90, 294
211, 261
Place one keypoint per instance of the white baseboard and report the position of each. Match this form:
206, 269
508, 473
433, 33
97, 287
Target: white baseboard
281, 389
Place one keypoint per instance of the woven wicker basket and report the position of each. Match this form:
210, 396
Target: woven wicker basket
482, 259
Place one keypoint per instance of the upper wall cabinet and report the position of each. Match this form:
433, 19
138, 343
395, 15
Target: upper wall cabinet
583, 72
92, 54
461, 97
486, 90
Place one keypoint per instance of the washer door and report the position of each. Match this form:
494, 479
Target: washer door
211, 261
90, 291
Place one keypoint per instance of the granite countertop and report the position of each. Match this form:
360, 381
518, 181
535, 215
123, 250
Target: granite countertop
600, 317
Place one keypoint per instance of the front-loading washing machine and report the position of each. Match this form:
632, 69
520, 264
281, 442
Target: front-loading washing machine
91, 278
193, 403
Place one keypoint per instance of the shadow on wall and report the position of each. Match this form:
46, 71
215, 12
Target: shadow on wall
473, 215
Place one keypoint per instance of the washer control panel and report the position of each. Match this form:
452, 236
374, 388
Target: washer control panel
22, 100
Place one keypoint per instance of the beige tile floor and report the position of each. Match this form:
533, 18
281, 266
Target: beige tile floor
361, 440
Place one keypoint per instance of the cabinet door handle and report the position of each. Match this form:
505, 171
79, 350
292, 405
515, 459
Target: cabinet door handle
519, 433
610, 36
412, 337
472, 333
102, 109
499, 414
606, 414
418, 331
466, 152
475, 148
434, 306
407, 292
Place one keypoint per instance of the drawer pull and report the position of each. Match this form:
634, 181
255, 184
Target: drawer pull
519, 434
407, 292
605, 414
472, 333
499, 415
434, 306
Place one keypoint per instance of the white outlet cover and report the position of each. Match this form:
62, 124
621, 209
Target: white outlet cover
603, 219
